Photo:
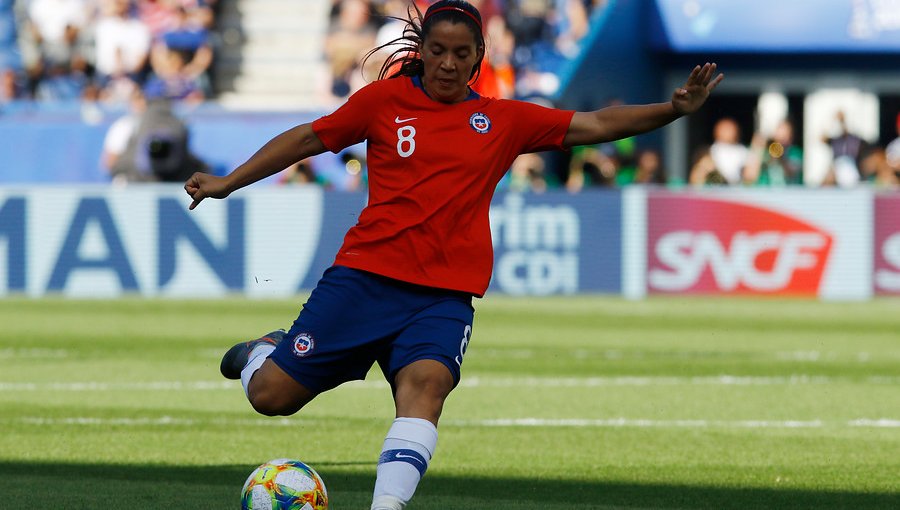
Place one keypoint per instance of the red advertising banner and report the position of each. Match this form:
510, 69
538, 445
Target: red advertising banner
712, 244
887, 244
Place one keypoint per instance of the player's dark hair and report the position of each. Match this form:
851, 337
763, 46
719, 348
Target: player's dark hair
405, 60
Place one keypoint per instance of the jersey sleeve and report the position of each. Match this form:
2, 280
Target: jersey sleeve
541, 128
348, 125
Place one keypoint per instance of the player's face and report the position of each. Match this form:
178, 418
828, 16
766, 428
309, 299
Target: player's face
449, 53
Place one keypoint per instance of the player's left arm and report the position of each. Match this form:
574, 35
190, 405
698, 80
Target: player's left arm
616, 122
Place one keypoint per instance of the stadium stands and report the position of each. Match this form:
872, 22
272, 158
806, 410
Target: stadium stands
270, 70
270, 53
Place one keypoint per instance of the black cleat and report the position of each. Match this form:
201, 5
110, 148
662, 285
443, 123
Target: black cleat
236, 358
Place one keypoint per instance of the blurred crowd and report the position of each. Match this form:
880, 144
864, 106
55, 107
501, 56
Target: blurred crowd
106, 50
771, 159
133, 52
528, 42
776, 159
528, 45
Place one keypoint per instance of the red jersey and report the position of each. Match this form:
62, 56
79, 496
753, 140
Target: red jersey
433, 168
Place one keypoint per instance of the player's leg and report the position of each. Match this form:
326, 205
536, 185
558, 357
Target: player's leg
423, 367
420, 391
269, 389
273, 392
336, 338
421, 388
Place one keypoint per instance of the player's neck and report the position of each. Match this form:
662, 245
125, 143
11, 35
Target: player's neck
419, 82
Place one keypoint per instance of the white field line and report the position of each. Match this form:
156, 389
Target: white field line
881, 423
590, 382
580, 354
89, 386
467, 382
170, 421
645, 423
616, 354
10, 353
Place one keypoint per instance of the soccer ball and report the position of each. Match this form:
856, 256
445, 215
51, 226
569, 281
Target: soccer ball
284, 484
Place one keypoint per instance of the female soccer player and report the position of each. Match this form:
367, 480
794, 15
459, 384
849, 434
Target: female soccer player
400, 290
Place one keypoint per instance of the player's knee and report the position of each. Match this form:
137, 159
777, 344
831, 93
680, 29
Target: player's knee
428, 380
271, 402
422, 389
434, 389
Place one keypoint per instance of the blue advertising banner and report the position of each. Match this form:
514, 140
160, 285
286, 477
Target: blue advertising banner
557, 243
98, 241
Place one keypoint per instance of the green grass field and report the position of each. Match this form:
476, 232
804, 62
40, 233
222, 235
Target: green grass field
575, 403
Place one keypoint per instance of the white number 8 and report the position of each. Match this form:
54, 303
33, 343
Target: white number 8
464, 344
405, 136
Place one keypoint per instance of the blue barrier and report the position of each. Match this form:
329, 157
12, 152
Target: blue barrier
270, 241
63, 143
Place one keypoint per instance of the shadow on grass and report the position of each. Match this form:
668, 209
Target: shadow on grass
95, 486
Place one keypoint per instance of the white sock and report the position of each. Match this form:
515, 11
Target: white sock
257, 356
407, 450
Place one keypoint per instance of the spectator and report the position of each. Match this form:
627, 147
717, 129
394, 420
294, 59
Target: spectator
179, 61
535, 58
300, 173
891, 177
703, 169
529, 22
572, 26
188, 37
527, 173
160, 16
605, 164
548, 33
500, 53
171, 80
120, 132
727, 156
334, 172
776, 161
350, 35
393, 12
51, 49
647, 170
122, 50
847, 153
591, 166
389, 36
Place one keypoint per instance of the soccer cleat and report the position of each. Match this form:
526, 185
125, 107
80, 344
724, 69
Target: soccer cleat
236, 358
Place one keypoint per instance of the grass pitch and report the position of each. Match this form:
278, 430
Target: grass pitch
576, 403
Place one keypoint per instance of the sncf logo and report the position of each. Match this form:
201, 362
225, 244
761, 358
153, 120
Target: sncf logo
887, 244
699, 245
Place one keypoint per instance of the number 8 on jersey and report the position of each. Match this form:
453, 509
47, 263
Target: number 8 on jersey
405, 138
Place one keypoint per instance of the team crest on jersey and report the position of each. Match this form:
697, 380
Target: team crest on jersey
480, 122
303, 344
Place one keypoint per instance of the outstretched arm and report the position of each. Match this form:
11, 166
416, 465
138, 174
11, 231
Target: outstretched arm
617, 122
284, 150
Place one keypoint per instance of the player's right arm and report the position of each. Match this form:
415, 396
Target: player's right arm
284, 150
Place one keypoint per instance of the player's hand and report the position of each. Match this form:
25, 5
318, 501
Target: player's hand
201, 185
693, 94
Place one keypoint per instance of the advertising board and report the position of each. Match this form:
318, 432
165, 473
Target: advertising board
887, 244
800, 242
99, 241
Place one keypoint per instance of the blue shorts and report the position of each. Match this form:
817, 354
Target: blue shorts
354, 318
